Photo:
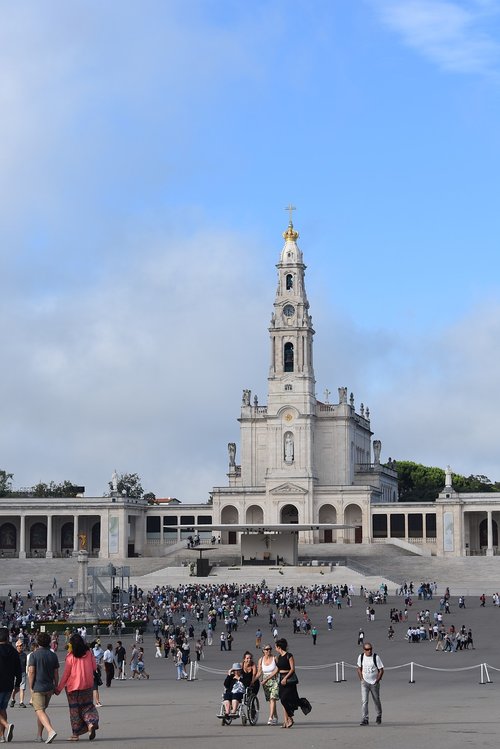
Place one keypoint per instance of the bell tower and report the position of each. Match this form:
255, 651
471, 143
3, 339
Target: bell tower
291, 373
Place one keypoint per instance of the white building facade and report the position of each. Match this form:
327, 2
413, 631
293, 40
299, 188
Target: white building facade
303, 461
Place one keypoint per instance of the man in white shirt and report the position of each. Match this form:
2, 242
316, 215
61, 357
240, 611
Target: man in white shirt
370, 671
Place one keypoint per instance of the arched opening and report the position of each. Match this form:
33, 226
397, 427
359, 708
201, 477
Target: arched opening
289, 514
327, 514
255, 514
8, 537
38, 537
288, 357
67, 537
289, 282
353, 515
229, 516
96, 537
483, 533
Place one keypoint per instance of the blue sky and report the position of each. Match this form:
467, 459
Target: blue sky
147, 151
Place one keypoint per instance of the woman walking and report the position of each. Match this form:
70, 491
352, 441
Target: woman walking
78, 679
267, 671
287, 682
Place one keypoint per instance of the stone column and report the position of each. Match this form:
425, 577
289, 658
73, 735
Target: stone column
22, 537
82, 609
489, 549
123, 531
140, 533
104, 550
76, 545
49, 553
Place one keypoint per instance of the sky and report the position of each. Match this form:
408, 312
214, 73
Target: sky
147, 152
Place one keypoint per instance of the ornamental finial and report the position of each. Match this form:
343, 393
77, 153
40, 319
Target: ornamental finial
290, 233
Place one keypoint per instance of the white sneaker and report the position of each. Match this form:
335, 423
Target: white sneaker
50, 738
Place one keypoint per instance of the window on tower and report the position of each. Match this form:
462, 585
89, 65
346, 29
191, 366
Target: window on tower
289, 282
288, 387
288, 358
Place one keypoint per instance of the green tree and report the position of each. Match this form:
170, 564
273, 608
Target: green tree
473, 483
419, 483
128, 484
64, 489
5, 483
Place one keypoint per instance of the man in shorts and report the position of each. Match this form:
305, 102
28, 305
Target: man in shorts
43, 675
10, 678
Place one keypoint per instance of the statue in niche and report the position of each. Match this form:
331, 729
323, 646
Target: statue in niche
342, 395
377, 447
231, 448
114, 481
288, 447
246, 398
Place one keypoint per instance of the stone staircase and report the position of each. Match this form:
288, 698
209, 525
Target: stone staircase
355, 564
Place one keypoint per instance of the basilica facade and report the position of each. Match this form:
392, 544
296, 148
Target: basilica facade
302, 460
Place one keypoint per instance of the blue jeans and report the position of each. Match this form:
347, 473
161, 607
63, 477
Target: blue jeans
374, 690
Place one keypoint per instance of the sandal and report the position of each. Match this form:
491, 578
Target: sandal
73, 738
91, 733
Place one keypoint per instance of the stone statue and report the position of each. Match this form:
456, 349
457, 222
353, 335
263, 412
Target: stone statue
255, 401
114, 481
342, 395
351, 400
288, 447
231, 448
447, 479
246, 398
362, 409
377, 447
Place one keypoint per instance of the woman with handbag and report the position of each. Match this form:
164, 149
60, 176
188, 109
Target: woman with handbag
288, 681
78, 678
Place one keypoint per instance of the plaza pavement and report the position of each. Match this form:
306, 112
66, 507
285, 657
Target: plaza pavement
446, 708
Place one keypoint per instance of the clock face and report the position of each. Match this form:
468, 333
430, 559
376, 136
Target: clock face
288, 310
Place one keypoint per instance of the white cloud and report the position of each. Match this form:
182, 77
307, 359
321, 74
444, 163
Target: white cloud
439, 404
456, 38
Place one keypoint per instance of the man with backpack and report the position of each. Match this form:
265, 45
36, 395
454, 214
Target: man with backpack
370, 671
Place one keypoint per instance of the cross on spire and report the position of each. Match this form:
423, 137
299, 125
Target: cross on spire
290, 208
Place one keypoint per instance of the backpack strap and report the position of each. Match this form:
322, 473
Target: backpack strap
374, 661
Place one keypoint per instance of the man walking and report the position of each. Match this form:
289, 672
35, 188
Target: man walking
120, 654
10, 679
370, 671
43, 674
109, 664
